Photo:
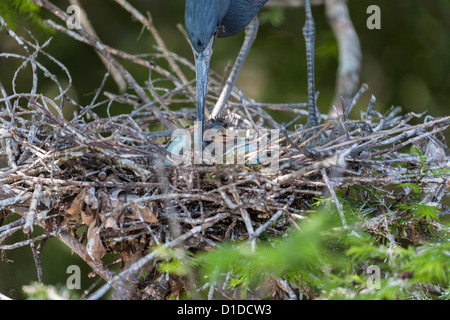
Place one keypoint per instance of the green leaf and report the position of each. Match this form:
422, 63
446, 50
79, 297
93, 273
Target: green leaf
415, 187
432, 263
11, 10
275, 16
423, 210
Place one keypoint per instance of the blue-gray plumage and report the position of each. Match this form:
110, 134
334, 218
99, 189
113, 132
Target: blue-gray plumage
206, 20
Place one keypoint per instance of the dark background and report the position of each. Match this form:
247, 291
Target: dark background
406, 63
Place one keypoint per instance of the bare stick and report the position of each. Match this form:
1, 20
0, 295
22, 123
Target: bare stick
3, 297
37, 260
250, 36
246, 217
272, 219
135, 267
148, 23
334, 197
90, 29
28, 228
101, 48
349, 51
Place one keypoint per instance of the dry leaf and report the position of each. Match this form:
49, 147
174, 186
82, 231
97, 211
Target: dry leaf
87, 216
77, 203
91, 199
148, 213
125, 255
85, 204
111, 222
94, 246
176, 284
106, 204
111, 210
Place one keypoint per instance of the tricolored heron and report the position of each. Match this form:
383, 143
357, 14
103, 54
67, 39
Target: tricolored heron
206, 20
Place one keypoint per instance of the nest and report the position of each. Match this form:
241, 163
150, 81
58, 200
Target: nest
108, 185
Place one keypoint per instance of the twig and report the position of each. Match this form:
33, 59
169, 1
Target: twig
28, 227
135, 267
333, 196
349, 50
36, 259
11, 201
3, 297
272, 219
250, 36
246, 217
90, 29
148, 23
95, 43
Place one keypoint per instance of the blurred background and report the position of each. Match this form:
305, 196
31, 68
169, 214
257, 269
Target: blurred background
406, 63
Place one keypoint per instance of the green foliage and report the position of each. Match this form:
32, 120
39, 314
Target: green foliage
275, 16
331, 261
407, 270
413, 186
388, 229
171, 261
37, 291
307, 253
11, 10
422, 210
432, 264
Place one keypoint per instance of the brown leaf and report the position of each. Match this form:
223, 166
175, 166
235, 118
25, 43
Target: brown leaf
176, 284
86, 204
87, 216
112, 178
148, 213
105, 202
77, 203
125, 255
94, 246
111, 222
111, 210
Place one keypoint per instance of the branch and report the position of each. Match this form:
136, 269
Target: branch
138, 265
116, 75
99, 46
349, 51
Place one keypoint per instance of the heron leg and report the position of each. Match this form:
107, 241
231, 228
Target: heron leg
309, 32
250, 36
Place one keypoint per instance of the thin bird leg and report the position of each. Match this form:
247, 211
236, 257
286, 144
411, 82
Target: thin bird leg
309, 32
250, 36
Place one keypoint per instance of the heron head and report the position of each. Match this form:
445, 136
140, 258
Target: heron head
203, 18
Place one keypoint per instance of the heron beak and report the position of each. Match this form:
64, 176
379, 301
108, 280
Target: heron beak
202, 60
